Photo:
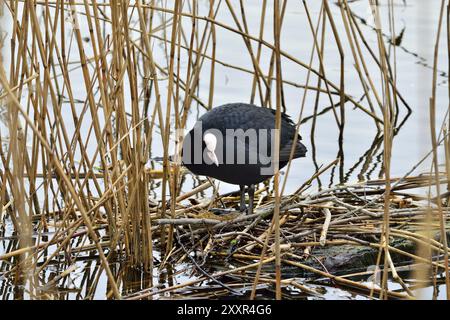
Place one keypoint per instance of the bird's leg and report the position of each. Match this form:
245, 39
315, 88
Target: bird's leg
242, 206
251, 196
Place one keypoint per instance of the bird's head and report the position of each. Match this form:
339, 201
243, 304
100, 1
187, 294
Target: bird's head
210, 141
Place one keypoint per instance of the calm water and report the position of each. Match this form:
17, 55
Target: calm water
362, 158
362, 155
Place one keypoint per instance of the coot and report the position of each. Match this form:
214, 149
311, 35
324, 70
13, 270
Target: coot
234, 143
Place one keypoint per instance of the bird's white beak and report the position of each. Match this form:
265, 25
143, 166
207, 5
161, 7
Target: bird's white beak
211, 142
213, 157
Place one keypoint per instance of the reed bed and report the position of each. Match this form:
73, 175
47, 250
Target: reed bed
331, 235
91, 89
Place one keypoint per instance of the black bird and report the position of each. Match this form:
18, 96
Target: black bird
233, 143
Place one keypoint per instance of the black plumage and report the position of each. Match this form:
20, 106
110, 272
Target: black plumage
244, 135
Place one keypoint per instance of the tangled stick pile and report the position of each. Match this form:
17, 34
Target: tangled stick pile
333, 234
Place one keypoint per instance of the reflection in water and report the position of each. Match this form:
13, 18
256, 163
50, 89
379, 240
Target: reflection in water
369, 157
134, 279
366, 159
86, 282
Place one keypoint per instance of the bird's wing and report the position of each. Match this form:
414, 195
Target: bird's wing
244, 148
264, 155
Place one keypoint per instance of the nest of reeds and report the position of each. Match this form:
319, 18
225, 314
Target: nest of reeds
334, 236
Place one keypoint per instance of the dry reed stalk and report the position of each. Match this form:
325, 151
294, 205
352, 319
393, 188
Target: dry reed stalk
304, 94
387, 113
175, 24
259, 50
447, 145
348, 24
279, 89
68, 183
441, 214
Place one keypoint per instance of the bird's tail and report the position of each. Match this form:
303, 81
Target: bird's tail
301, 149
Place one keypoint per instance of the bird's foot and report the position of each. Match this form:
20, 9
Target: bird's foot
243, 208
246, 209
